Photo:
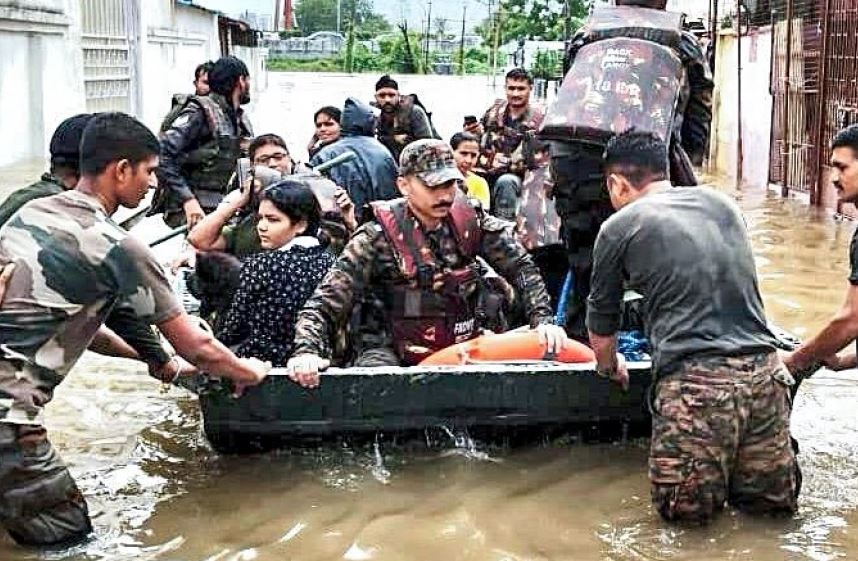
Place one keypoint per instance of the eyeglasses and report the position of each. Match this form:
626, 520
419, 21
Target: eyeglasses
276, 157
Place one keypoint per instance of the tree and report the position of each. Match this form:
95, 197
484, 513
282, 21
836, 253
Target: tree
321, 15
535, 19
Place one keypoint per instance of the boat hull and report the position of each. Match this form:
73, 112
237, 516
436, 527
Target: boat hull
360, 400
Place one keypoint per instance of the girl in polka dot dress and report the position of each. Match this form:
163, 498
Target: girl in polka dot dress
274, 284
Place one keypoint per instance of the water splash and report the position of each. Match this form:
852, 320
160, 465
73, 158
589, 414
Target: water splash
378, 469
464, 445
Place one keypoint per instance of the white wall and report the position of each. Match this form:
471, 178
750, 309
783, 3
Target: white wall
41, 66
41, 74
176, 39
254, 58
756, 107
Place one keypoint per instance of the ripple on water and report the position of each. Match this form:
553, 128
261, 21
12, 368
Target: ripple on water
158, 491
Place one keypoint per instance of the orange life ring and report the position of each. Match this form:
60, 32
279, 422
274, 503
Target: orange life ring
506, 347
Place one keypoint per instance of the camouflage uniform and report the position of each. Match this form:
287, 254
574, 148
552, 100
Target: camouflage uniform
198, 155
73, 264
46, 186
121, 319
371, 260
721, 434
582, 200
516, 140
720, 411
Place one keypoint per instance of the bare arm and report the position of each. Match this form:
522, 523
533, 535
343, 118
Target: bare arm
207, 353
108, 343
207, 235
605, 347
840, 331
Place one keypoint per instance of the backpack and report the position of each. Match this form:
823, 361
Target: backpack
630, 76
416, 101
178, 103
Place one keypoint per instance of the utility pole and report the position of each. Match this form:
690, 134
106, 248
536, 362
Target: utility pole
428, 28
740, 148
350, 42
276, 15
498, 23
339, 14
567, 21
462, 43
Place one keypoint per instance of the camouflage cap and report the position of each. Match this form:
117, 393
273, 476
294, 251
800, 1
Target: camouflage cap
431, 160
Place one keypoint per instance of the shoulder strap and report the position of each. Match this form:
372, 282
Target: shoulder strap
466, 226
494, 120
210, 108
404, 234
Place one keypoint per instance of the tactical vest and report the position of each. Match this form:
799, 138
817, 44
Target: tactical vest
523, 138
630, 74
178, 103
425, 319
208, 167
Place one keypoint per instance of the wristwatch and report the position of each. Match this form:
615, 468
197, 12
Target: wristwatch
606, 372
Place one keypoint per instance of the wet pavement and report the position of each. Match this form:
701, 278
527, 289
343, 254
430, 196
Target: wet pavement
158, 492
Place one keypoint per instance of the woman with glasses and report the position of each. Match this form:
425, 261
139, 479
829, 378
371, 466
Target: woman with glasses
275, 283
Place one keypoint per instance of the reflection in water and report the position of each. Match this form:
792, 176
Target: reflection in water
158, 492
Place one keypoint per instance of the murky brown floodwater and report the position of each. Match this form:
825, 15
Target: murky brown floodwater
158, 492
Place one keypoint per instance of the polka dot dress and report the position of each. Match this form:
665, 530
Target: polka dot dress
274, 285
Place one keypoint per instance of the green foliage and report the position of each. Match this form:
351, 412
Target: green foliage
476, 60
548, 65
391, 58
535, 19
321, 15
289, 33
306, 65
371, 27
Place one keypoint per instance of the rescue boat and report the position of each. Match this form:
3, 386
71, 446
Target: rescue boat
497, 396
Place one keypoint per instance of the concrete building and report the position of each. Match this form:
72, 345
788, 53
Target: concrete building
756, 115
62, 57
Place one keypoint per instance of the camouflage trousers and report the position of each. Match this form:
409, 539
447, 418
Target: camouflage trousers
40, 504
721, 434
583, 204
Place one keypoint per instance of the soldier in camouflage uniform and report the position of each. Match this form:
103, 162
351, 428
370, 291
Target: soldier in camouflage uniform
403, 119
200, 148
509, 147
421, 252
64, 175
720, 396
72, 265
579, 189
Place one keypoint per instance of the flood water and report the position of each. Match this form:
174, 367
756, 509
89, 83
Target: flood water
158, 492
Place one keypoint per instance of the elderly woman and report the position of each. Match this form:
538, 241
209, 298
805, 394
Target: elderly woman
275, 283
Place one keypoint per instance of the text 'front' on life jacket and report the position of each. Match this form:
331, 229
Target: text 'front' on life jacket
433, 308
628, 76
